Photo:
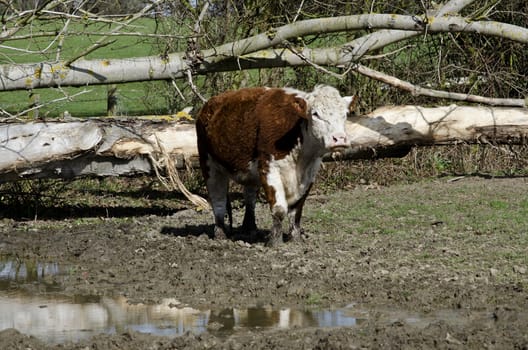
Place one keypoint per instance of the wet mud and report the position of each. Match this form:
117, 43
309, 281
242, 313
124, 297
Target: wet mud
379, 268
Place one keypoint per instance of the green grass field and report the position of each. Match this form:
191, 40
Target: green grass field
134, 98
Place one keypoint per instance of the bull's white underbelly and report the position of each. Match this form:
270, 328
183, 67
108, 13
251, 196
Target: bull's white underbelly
289, 178
292, 178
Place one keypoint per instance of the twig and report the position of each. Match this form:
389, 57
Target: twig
100, 43
193, 55
143, 35
420, 91
173, 82
298, 11
414, 89
40, 105
316, 66
173, 180
387, 54
193, 87
26, 17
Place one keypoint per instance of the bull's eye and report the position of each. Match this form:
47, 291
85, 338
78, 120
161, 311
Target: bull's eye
320, 119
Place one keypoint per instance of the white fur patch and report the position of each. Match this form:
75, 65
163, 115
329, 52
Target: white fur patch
291, 177
292, 91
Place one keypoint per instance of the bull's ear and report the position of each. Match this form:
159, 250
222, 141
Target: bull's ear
301, 107
351, 101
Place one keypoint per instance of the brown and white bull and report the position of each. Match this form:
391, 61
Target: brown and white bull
269, 137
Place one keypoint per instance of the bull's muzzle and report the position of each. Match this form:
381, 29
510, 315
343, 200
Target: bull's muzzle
339, 142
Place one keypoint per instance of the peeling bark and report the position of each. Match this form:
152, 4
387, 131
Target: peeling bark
105, 147
241, 54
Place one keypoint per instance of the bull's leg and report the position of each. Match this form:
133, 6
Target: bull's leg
294, 216
275, 194
250, 198
217, 186
278, 213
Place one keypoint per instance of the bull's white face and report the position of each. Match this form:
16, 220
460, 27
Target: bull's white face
328, 116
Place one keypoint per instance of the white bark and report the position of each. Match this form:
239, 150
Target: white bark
415, 125
108, 147
246, 53
93, 147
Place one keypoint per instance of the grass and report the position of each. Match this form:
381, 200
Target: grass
427, 206
471, 225
134, 98
314, 299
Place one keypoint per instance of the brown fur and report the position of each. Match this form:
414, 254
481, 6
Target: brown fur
240, 130
237, 127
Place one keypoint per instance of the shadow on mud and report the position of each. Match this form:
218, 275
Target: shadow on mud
74, 211
207, 230
87, 197
187, 231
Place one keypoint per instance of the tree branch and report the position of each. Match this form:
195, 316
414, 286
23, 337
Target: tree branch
40, 105
100, 42
421, 91
240, 54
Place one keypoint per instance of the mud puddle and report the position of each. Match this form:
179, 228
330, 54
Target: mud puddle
55, 318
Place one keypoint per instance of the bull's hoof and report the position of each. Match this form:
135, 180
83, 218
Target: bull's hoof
219, 233
273, 242
295, 235
253, 236
250, 232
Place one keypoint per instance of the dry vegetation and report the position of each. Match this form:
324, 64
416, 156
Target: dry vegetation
116, 197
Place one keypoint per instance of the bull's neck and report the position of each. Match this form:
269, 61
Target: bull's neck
309, 148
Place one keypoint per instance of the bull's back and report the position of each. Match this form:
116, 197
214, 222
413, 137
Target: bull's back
227, 128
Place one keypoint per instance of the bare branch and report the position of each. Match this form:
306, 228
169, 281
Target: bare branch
23, 18
84, 33
414, 89
314, 65
387, 54
299, 9
382, 38
421, 91
40, 105
193, 87
240, 54
101, 41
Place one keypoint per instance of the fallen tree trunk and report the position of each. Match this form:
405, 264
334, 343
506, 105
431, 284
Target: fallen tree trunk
113, 147
99, 147
394, 127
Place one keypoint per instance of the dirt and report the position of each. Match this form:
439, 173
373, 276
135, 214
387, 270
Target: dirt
354, 252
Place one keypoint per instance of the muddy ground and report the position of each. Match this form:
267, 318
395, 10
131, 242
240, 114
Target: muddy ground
426, 248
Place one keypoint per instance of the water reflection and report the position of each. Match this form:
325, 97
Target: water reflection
62, 319
56, 319
27, 271
14, 271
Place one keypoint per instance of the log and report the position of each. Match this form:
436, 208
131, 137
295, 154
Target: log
116, 147
422, 126
94, 147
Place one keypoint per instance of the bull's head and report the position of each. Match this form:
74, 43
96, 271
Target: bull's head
328, 114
